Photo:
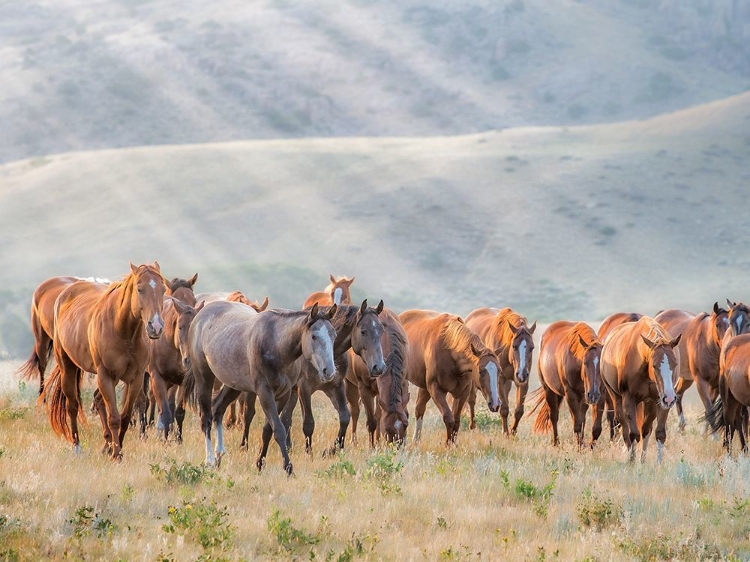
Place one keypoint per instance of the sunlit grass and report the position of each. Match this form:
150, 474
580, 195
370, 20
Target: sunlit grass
485, 498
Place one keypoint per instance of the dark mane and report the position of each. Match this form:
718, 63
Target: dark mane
344, 314
176, 283
395, 362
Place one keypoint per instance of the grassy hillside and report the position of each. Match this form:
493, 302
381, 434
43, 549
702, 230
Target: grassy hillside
152, 72
554, 221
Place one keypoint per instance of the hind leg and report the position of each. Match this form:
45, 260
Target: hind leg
680, 388
249, 398
70, 385
649, 414
423, 396
521, 391
352, 398
221, 401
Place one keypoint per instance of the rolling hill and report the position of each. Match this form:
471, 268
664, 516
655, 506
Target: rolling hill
572, 222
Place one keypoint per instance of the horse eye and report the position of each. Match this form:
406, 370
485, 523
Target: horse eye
140, 291
363, 332
314, 337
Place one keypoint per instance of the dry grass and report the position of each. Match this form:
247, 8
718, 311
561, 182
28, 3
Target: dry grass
485, 498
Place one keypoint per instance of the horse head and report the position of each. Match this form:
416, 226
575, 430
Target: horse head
739, 318
182, 289
590, 369
339, 290
367, 336
185, 316
521, 348
489, 368
148, 297
662, 366
317, 342
393, 394
719, 323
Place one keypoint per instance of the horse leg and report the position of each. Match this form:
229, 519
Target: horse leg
649, 415
204, 384
142, 406
707, 398
219, 405
70, 384
42, 349
661, 432
577, 413
521, 391
596, 420
272, 407
458, 406
630, 432
179, 413
101, 410
248, 418
337, 396
161, 395
352, 398
172, 400
612, 419
441, 401
308, 421
368, 401
232, 419
151, 406
680, 388
472, 405
423, 396
505, 407
106, 385
133, 392
287, 415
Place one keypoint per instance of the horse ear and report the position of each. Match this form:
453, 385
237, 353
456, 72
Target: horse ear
156, 266
380, 307
179, 306
533, 327
675, 341
363, 308
200, 306
133, 268
717, 310
730, 303
512, 327
332, 311
583, 342
648, 342
332, 278
474, 350
168, 283
192, 280
348, 282
314, 311
263, 305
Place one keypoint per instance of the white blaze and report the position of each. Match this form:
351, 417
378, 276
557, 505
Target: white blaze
322, 333
492, 371
666, 375
739, 323
337, 295
152, 283
522, 357
398, 425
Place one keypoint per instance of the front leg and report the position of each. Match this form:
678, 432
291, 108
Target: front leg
506, 385
458, 406
368, 401
521, 391
472, 406
439, 396
106, 385
630, 431
337, 396
249, 414
423, 396
352, 398
133, 391
161, 395
271, 408
308, 420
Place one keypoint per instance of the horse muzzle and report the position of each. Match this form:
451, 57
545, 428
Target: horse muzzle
593, 397
667, 402
327, 373
522, 378
377, 369
154, 331
493, 407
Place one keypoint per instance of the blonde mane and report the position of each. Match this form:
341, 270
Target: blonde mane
458, 337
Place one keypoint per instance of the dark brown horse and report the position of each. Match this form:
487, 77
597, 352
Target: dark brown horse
446, 357
675, 321
358, 329
102, 329
253, 352
639, 368
42, 325
569, 367
385, 397
739, 318
511, 338
337, 292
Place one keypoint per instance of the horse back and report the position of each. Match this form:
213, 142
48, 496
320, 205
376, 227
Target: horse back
561, 354
43, 301
422, 328
614, 320
701, 352
74, 311
319, 297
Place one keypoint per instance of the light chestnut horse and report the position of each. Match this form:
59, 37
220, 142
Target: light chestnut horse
42, 325
569, 367
337, 292
639, 367
446, 357
734, 390
253, 352
102, 329
385, 397
508, 334
675, 321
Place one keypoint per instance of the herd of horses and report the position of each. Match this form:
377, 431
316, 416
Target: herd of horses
214, 350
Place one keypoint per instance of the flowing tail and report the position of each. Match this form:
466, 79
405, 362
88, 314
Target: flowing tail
57, 403
542, 424
714, 416
30, 369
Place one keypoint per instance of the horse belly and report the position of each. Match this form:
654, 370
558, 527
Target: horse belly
738, 381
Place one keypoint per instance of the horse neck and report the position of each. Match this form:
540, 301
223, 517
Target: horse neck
288, 336
343, 342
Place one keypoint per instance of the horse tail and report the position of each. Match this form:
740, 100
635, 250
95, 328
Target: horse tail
189, 390
30, 369
714, 416
542, 424
57, 403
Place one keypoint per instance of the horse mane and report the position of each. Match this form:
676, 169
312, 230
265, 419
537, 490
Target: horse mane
344, 314
458, 337
396, 360
656, 331
176, 283
584, 331
506, 315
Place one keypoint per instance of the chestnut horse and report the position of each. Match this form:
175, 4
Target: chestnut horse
100, 329
675, 321
391, 389
511, 338
446, 357
337, 292
639, 368
734, 390
569, 367
739, 318
42, 325
253, 352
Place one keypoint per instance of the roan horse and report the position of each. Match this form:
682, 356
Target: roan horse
446, 357
43, 324
337, 292
391, 389
569, 367
639, 367
253, 352
509, 336
100, 329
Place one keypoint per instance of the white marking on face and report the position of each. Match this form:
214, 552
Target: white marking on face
522, 357
596, 362
739, 323
398, 425
152, 284
323, 336
337, 295
492, 372
666, 375
726, 321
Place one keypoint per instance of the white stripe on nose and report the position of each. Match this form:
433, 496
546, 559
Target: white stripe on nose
492, 371
337, 295
739, 323
666, 375
522, 357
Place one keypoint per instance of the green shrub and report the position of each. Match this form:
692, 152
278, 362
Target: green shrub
203, 522
598, 513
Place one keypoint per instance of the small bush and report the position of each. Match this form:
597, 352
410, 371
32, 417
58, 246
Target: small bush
286, 534
598, 513
85, 520
186, 473
339, 470
203, 522
381, 469
541, 497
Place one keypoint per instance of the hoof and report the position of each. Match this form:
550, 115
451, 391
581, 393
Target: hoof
260, 463
77, 449
289, 470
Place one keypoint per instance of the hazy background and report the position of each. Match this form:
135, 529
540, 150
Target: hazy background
565, 158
